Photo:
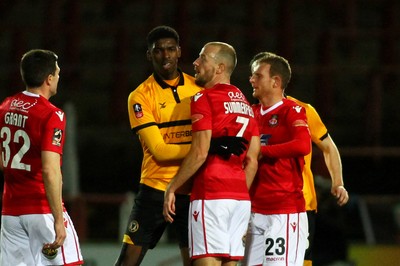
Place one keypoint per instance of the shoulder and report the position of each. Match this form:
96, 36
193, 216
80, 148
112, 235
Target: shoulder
6, 102
54, 110
293, 108
189, 81
310, 110
188, 77
288, 102
48, 105
146, 88
305, 105
145, 85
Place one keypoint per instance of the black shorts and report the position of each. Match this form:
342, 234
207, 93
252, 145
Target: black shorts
147, 224
311, 216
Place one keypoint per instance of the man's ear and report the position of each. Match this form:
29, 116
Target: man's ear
277, 82
221, 68
49, 79
179, 52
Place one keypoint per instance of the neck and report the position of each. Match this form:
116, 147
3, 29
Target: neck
169, 75
39, 91
217, 80
270, 100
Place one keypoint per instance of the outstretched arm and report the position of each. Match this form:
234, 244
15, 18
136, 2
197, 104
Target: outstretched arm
334, 165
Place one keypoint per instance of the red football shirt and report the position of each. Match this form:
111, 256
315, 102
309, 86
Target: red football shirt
285, 139
224, 110
29, 124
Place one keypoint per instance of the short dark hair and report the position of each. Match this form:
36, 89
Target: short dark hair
36, 65
279, 66
161, 32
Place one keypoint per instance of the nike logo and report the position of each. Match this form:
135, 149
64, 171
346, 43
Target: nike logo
224, 147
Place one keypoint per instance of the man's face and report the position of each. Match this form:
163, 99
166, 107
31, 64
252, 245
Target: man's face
260, 80
54, 81
164, 56
205, 66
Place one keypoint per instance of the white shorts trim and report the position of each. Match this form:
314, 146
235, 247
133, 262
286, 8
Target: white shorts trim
278, 240
217, 228
22, 239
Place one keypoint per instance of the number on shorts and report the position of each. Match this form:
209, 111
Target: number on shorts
280, 246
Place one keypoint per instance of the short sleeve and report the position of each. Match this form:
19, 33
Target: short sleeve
201, 112
315, 124
54, 132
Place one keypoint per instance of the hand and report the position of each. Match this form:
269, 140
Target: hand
227, 145
169, 206
341, 195
61, 233
49, 251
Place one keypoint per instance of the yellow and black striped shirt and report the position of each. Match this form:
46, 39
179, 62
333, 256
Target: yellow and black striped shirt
318, 132
160, 114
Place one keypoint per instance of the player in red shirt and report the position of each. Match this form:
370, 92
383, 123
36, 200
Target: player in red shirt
278, 227
36, 229
220, 203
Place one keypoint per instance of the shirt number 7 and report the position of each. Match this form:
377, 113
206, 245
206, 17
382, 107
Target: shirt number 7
244, 121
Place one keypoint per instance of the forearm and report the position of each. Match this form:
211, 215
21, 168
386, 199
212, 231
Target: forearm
53, 187
251, 170
193, 161
332, 160
293, 148
52, 179
162, 151
334, 165
168, 152
251, 160
188, 168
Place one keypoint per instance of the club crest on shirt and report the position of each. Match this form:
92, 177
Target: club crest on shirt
133, 226
137, 108
57, 137
273, 121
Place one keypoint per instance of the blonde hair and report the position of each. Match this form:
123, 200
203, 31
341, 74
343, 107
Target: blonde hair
227, 54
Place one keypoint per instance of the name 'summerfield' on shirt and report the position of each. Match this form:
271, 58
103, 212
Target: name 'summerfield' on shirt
238, 108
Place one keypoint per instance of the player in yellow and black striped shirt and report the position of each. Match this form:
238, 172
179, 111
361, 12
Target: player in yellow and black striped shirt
321, 138
159, 112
